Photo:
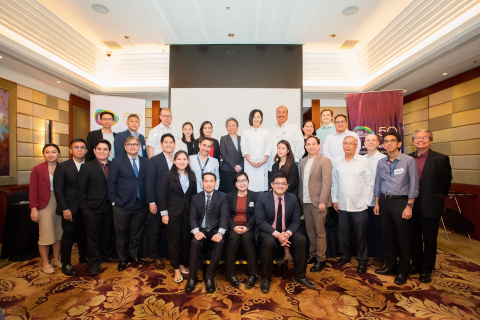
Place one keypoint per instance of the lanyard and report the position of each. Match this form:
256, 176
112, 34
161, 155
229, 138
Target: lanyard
200, 164
394, 165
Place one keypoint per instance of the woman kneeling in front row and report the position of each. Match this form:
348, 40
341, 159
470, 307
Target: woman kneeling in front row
241, 226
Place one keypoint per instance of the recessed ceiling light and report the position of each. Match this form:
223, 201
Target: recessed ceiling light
1, 57
100, 9
444, 74
350, 10
59, 82
228, 8
127, 37
231, 35
333, 35
404, 90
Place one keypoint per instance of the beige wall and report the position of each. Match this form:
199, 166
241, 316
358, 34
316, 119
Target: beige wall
453, 115
33, 107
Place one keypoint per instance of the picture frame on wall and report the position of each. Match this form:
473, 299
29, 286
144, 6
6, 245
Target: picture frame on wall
8, 133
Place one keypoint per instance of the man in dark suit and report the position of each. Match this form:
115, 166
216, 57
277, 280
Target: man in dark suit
278, 217
208, 221
96, 209
157, 166
133, 123
127, 194
65, 188
435, 175
107, 119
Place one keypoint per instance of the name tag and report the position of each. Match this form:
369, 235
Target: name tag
143, 147
251, 204
398, 171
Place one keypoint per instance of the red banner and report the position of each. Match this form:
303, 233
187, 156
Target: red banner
375, 112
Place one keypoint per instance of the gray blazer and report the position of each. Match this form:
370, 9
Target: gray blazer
230, 155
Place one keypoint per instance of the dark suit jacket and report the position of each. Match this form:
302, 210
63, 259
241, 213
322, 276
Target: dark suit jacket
120, 140
92, 139
65, 186
434, 184
171, 196
39, 189
157, 166
250, 210
122, 183
218, 215
216, 148
230, 155
92, 187
265, 212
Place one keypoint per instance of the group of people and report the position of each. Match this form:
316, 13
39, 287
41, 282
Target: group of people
244, 191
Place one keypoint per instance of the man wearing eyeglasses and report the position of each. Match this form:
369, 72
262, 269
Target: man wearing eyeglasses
435, 174
65, 187
154, 145
133, 124
107, 119
333, 145
127, 194
396, 187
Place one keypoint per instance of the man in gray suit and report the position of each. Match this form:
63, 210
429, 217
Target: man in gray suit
314, 192
232, 157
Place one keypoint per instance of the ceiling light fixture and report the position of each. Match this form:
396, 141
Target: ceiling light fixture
231, 35
127, 37
350, 10
444, 74
100, 9
228, 8
404, 90
59, 82
333, 35
1, 57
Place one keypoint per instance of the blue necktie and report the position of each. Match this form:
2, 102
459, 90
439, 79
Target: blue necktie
135, 169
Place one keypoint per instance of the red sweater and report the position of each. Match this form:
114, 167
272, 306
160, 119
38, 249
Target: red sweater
39, 191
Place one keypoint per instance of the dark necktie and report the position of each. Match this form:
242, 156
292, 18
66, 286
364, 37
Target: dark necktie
207, 207
135, 169
279, 215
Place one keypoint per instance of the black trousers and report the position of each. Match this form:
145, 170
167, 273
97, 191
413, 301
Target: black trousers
73, 231
99, 231
178, 237
423, 240
227, 181
268, 247
196, 250
157, 230
395, 234
247, 240
358, 222
134, 219
374, 236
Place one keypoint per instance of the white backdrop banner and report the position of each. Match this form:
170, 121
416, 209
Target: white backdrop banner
120, 107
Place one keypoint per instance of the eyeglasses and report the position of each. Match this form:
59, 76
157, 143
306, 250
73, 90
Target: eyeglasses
280, 184
131, 145
348, 144
422, 138
340, 122
242, 181
106, 119
79, 148
389, 141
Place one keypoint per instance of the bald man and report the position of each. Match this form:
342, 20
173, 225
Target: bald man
374, 231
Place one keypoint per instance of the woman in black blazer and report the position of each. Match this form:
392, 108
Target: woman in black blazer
206, 130
284, 161
241, 225
176, 191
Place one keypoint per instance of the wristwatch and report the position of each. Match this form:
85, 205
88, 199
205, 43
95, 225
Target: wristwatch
410, 204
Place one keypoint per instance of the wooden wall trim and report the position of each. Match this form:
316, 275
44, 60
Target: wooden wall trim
316, 113
442, 85
79, 102
155, 113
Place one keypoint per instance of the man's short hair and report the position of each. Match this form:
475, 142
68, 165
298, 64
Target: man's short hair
209, 174
340, 115
430, 134
279, 175
167, 135
205, 138
131, 138
280, 107
133, 115
104, 141
107, 112
316, 139
397, 135
354, 138
231, 119
330, 110
77, 140
166, 109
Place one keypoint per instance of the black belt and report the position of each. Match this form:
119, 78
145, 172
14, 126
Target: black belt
390, 197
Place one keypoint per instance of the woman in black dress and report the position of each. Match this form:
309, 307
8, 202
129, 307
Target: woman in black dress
206, 130
187, 142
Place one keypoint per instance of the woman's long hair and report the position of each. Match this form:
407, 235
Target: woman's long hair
188, 170
201, 128
290, 158
192, 137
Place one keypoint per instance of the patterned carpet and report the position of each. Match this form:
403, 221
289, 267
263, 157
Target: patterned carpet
145, 293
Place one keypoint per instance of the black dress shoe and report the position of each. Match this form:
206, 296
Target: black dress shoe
94, 270
210, 286
122, 265
386, 271
311, 260
305, 282
190, 286
265, 285
318, 266
400, 279
250, 283
362, 267
68, 269
414, 269
83, 260
138, 261
425, 277
234, 282
343, 261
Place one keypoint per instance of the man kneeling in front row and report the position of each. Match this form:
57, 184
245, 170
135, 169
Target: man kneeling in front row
278, 217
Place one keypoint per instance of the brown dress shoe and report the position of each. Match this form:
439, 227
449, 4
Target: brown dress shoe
158, 264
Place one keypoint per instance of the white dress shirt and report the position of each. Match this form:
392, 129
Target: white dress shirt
290, 132
333, 145
78, 164
373, 166
110, 139
212, 166
352, 183
155, 135
306, 175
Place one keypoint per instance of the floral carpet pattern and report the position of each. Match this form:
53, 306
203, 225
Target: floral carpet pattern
146, 293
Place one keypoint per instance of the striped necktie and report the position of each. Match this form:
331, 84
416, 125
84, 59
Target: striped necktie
207, 207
